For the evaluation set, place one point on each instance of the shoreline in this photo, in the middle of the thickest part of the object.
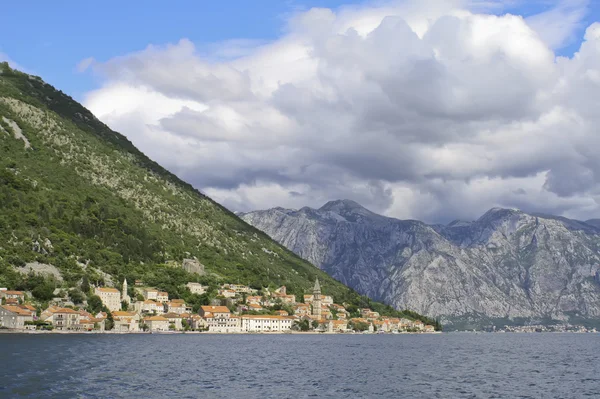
(35, 332)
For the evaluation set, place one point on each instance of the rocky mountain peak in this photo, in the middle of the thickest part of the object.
(507, 265)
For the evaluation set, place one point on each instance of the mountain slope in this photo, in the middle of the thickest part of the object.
(80, 197)
(505, 267)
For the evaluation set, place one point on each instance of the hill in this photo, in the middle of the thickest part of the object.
(508, 267)
(81, 203)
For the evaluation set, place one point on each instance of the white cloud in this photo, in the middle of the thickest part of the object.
(415, 109)
(85, 64)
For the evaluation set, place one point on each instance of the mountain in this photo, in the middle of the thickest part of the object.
(507, 267)
(80, 202)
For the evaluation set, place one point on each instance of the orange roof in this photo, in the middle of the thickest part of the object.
(111, 290)
(255, 306)
(150, 302)
(215, 309)
(12, 292)
(163, 293)
(17, 310)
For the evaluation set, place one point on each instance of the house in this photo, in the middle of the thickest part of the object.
(285, 298)
(62, 318)
(301, 309)
(196, 322)
(111, 297)
(418, 324)
(162, 296)
(149, 306)
(219, 319)
(308, 298)
(429, 328)
(239, 288)
(14, 317)
(138, 283)
(86, 324)
(92, 323)
(325, 312)
(157, 323)
(175, 321)
(257, 300)
(326, 300)
(176, 306)
(227, 293)
(150, 294)
(381, 325)
(339, 325)
(126, 321)
(196, 288)
(281, 313)
(19, 296)
(403, 324)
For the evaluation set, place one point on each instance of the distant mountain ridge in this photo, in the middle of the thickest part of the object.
(508, 266)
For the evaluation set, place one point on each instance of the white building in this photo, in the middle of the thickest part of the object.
(266, 323)
(14, 317)
(150, 293)
(219, 319)
(162, 296)
(196, 288)
(111, 298)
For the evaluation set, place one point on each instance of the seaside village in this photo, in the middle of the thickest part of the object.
(237, 309)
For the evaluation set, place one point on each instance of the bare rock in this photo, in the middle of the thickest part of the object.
(193, 266)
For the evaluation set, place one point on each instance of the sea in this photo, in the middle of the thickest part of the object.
(447, 365)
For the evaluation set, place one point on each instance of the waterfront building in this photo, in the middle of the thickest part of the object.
(266, 323)
(126, 321)
(219, 319)
(157, 323)
(62, 318)
(14, 317)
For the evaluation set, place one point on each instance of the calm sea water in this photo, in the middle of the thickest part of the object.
(300, 366)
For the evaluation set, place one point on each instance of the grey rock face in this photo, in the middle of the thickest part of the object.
(505, 265)
(193, 266)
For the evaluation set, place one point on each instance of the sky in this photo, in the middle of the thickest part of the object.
(423, 109)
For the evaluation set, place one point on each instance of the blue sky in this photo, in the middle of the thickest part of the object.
(51, 38)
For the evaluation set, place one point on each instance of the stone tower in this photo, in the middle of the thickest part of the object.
(316, 311)
(124, 296)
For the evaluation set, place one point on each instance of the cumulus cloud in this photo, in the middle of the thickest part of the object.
(434, 110)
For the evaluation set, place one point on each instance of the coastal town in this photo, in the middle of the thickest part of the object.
(237, 309)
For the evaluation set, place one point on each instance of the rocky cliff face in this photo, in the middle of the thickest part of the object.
(506, 267)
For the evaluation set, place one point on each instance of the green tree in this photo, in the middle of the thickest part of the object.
(85, 284)
(43, 291)
(94, 304)
(76, 296)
